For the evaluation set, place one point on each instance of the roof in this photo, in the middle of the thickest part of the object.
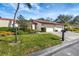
(46, 22)
(7, 19)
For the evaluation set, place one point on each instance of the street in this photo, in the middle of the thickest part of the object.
(72, 50)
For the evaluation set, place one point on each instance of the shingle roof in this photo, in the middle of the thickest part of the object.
(6, 19)
(46, 22)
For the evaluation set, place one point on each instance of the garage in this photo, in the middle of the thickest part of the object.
(47, 26)
(49, 29)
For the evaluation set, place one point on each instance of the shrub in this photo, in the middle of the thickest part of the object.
(31, 31)
(11, 29)
(7, 29)
(5, 33)
(4, 28)
(21, 32)
(74, 29)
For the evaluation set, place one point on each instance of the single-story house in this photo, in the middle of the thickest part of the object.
(76, 26)
(40, 25)
(5, 22)
(47, 26)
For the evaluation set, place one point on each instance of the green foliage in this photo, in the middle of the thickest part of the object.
(31, 31)
(76, 20)
(23, 23)
(74, 29)
(4, 28)
(20, 32)
(7, 29)
(30, 43)
(63, 18)
(11, 29)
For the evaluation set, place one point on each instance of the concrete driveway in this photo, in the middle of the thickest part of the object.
(68, 35)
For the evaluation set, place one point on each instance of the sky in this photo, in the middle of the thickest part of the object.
(39, 10)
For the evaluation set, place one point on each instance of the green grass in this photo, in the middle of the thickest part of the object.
(30, 43)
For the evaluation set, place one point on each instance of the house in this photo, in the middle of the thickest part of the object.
(40, 25)
(76, 26)
(5, 22)
(47, 26)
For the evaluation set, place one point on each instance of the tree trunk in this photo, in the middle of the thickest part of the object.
(16, 38)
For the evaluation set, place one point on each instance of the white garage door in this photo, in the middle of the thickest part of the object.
(49, 29)
(58, 29)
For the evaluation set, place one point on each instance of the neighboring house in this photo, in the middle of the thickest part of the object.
(48, 26)
(5, 22)
(76, 26)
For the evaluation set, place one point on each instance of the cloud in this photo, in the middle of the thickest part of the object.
(36, 6)
(37, 11)
(5, 14)
(13, 5)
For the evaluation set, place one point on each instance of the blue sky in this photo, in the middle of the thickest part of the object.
(40, 10)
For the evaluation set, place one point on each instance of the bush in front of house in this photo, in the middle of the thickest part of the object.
(30, 31)
(5, 33)
(11, 29)
(21, 32)
(7, 29)
(4, 28)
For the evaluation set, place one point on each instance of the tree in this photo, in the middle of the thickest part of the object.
(41, 19)
(49, 19)
(64, 19)
(0, 17)
(22, 22)
(76, 20)
(18, 5)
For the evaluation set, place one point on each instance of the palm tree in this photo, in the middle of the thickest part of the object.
(16, 11)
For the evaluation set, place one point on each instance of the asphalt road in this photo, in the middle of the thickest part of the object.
(72, 50)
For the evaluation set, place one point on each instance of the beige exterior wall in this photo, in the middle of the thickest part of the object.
(39, 26)
(4, 23)
(49, 27)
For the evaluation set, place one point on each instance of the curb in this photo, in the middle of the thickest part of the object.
(53, 50)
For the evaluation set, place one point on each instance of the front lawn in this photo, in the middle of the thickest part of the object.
(29, 44)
